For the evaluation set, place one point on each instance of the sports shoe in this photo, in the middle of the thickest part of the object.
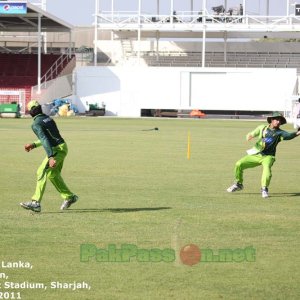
(69, 202)
(32, 205)
(235, 187)
(264, 192)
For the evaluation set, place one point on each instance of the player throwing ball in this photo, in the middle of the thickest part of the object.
(56, 149)
(263, 153)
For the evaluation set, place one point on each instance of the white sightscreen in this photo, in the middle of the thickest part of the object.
(127, 90)
(241, 90)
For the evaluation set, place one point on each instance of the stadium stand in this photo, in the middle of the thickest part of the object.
(20, 71)
(217, 59)
(25, 60)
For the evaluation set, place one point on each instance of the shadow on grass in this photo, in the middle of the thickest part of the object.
(284, 194)
(113, 210)
(277, 195)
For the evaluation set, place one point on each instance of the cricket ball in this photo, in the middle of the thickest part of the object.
(190, 255)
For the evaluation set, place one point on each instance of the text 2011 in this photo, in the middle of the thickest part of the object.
(10, 295)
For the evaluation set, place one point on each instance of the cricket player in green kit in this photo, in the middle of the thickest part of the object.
(263, 153)
(56, 149)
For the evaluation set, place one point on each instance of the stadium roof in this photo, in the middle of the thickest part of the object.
(29, 22)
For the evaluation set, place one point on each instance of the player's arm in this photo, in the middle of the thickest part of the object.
(43, 140)
(31, 146)
(289, 135)
(254, 133)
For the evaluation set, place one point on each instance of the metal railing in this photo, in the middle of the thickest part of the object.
(194, 21)
(56, 68)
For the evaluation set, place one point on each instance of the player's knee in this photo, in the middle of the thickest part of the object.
(269, 173)
(52, 173)
(238, 164)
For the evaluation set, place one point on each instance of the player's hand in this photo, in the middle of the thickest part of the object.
(52, 162)
(28, 147)
(249, 137)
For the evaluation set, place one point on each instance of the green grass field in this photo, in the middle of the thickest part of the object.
(138, 187)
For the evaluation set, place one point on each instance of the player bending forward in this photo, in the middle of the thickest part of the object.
(263, 153)
(56, 149)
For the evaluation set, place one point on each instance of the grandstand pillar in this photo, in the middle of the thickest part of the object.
(288, 11)
(112, 37)
(70, 44)
(204, 32)
(244, 10)
(204, 11)
(39, 54)
(225, 46)
(157, 45)
(96, 31)
(44, 7)
(203, 45)
(172, 11)
(139, 32)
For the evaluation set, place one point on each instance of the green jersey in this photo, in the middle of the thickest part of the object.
(47, 132)
(268, 139)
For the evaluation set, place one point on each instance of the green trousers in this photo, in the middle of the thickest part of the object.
(44, 172)
(251, 161)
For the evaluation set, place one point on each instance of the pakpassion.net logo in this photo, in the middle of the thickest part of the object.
(189, 254)
(125, 253)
